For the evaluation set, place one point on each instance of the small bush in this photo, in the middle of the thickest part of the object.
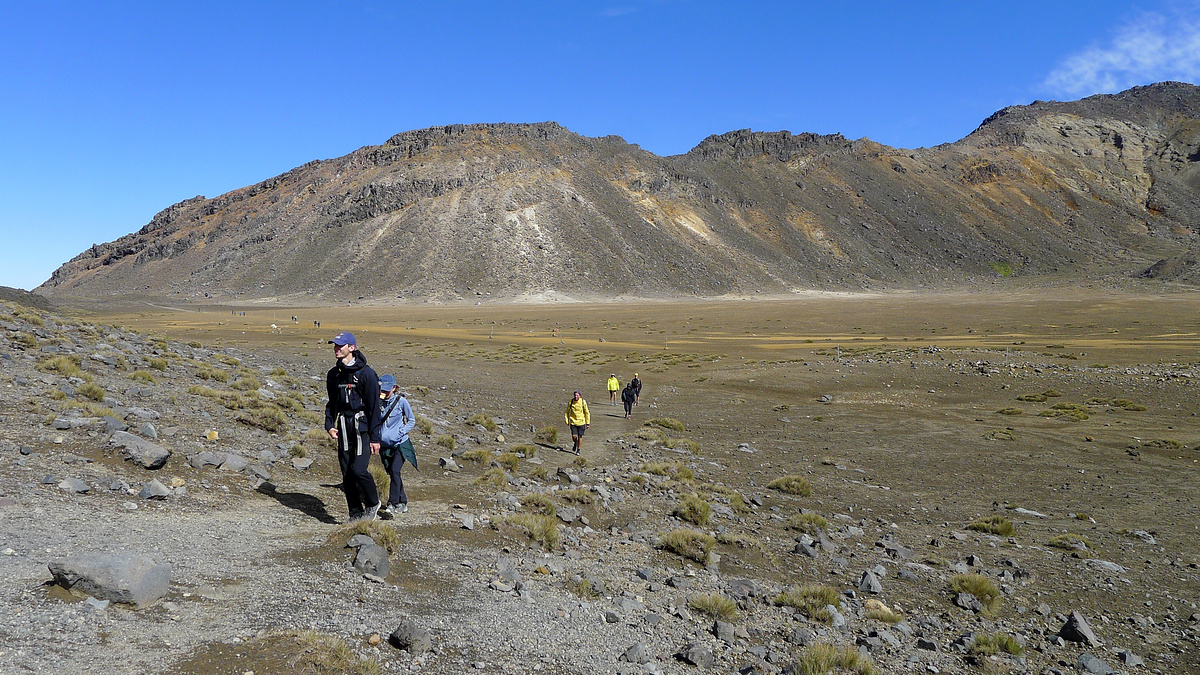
(539, 472)
(548, 435)
(541, 528)
(823, 658)
(160, 364)
(576, 495)
(483, 420)
(694, 510)
(525, 449)
(666, 423)
(987, 644)
(998, 525)
(446, 442)
(213, 374)
(810, 600)
(808, 522)
(92, 391)
(539, 503)
(494, 476)
(792, 485)
(269, 419)
(509, 461)
(424, 425)
(688, 543)
(278, 371)
(143, 376)
(478, 456)
(979, 586)
(584, 589)
(1070, 542)
(246, 383)
(385, 535)
(714, 605)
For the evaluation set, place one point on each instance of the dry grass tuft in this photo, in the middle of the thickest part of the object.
(576, 495)
(446, 442)
(998, 525)
(714, 605)
(541, 528)
(808, 522)
(792, 485)
(666, 423)
(483, 420)
(548, 435)
(983, 588)
(987, 644)
(539, 503)
(525, 449)
(676, 470)
(382, 480)
(1070, 542)
(688, 543)
(693, 509)
(495, 476)
(810, 600)
(509, 461)
(385, 535)
(823, 658)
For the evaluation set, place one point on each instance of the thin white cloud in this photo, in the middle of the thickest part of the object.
(1151, 49)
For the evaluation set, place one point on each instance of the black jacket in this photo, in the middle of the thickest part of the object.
(352, 390)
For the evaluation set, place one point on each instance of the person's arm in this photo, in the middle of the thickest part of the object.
(567, 415)
(410, 420)
(587, 414)
(330, 411)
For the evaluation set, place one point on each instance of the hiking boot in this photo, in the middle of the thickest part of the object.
(387, 513)
(372, 512)
(404, 508)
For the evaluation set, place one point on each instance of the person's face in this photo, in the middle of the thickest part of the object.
(385, 394)
(342, 351)
(577, 396)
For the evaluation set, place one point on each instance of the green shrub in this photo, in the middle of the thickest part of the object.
(1071, 411)
(983, 588)
(548, 435)
(694, 510)
(666, 423)
(808, 522)
(688, 543)
(810, 600)
(714, 605)
(792, 485)
(998, 525)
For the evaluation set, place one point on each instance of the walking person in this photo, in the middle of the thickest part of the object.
(579, 418)
(637, 388)
(397, 419)
(627, 398)
(352, 419)
(614, 385)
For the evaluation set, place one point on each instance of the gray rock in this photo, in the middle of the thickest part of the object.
(611, 616)
(638, 653)
(927, 645)
(1130, 659)
(724, 632)
(1107, 566)
(113, 425)
(359, 540)
(697, 655)
(448, 464)
(61, 424)
(258, 472)
(836, 619)
(568, 514)
(126, 578)
(372, 559)
(801, 637)
(411, 638)
(1076, 629)
(301, 463)
(140, 451)
(1092, 665)
(968, 602)
(142, 414)
(26, 450)
(147, 430)
(497, 585)
(646, 574)
(154, 490)
(234, 462)
(203, 459)
(869, 583)
(75, 485)
(468, 521)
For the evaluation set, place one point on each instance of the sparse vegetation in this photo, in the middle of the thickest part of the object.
(509, 461)
(879, 612)
(495, 476)
(269, 419)
(987, 644)
(385, 535)
(823, 658)
(691, 446)
(998, 525)
(143, 376)
(693, 509)
(424, 425)
(666, 423)
(478, 456)
(1070, 542)
(810, 600)
(382, 480)
(539, 503)
(792, 485)
(983, 588)
(91, 391)
(525, 449)
(548, 435)
(446, 442)
(576, 495)
(158, 364)
(808, 522)
(67, 366)
(26, 341)
(1071, 411)
(541, 528)
(714, 605)
(482, 420)
(689, 543)
(676, 470)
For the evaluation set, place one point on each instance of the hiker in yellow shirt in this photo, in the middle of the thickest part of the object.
(579, 418)
(614, 385)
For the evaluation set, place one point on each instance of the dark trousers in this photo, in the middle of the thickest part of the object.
(354, 455)
(393, 461)
(628, 407)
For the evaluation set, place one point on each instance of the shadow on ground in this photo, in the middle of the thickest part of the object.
(305, 503)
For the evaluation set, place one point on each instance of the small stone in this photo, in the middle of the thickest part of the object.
(1092, 665)
(697, 655)
(869, 583)
(1076, 629)
(411, 638)
(75, 485)
(638, 653)
(1130, 659)
(154, 490)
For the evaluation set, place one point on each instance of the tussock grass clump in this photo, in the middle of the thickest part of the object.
(158, 364)
(792, 485)
(383, 481)
(246, 383)
(1070, 411)
(26, 341)
(676, 470)
(278, 371)
(270, 419)
(656, 435)
(1163, 444)
(736, 501)
(691, 446)
(689, 543)
(213, 374)
(540, 528)
(539, 504)
(143, 376)
(808, 522)
(998, 525)
(495, 476)
(1070, 542)
(477, 456)
(885, 615)
(509, 461)
(1126, 404)
(29, 317)
(983, 588)
(576, 495)
(67, 366)
(666, 423)
(1032, 398)
(1010, 411)
(539, 472)
(482, 420)
(581, 461)
(810, 600)
(525, 449)
(424, 425)
(92, 391)
(693, 509)
(547, 434)
(714, 605)
(227, 360)
(823, 659)
(385, 535)
(739, 540)
(987, 644)
(446, 442)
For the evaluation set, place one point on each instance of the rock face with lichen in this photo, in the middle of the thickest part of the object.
(1102, 186)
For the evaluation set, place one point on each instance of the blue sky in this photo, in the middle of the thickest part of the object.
(109, 114)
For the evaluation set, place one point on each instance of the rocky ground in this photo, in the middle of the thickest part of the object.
(673, 547)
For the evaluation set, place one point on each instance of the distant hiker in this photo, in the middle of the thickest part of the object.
(637, 388)
(614, 385)
(352, 419)
(628, 396)
(579, 418)
(397, 418)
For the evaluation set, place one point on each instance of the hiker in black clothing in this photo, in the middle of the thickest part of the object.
(352, 419)
(637, 388)
(628, 396)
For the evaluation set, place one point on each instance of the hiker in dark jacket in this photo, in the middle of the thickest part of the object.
(352, 419)
(398, 420)
(628, 396)
(637, 388)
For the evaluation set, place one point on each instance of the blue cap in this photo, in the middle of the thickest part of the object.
(386, 383)
(343, 338)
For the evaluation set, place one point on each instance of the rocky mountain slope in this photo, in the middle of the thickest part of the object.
(1101, 186)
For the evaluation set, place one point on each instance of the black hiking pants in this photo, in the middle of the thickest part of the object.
(354, 455)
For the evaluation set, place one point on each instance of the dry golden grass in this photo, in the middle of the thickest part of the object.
(808, 522)
(792, 485)
(983, 588)
(823, 659)
(998, 525)
(714, 605)
(810, 600)
(385, 535)
(688, 543)
(541, 528)
(693, 509)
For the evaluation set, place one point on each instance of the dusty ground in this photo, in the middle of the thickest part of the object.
(908, 443)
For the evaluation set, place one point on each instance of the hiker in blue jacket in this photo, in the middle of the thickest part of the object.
(398, 420)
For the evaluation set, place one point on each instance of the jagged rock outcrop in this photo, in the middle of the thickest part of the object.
(1105, 185)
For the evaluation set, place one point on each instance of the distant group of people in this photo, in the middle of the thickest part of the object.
(629, 395)
(578, 417)
(367, 415)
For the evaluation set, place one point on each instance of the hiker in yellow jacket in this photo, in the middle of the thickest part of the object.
(614, 385)
(579, 418)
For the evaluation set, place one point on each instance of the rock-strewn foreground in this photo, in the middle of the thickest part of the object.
(1101, 187)
(1099, 573)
